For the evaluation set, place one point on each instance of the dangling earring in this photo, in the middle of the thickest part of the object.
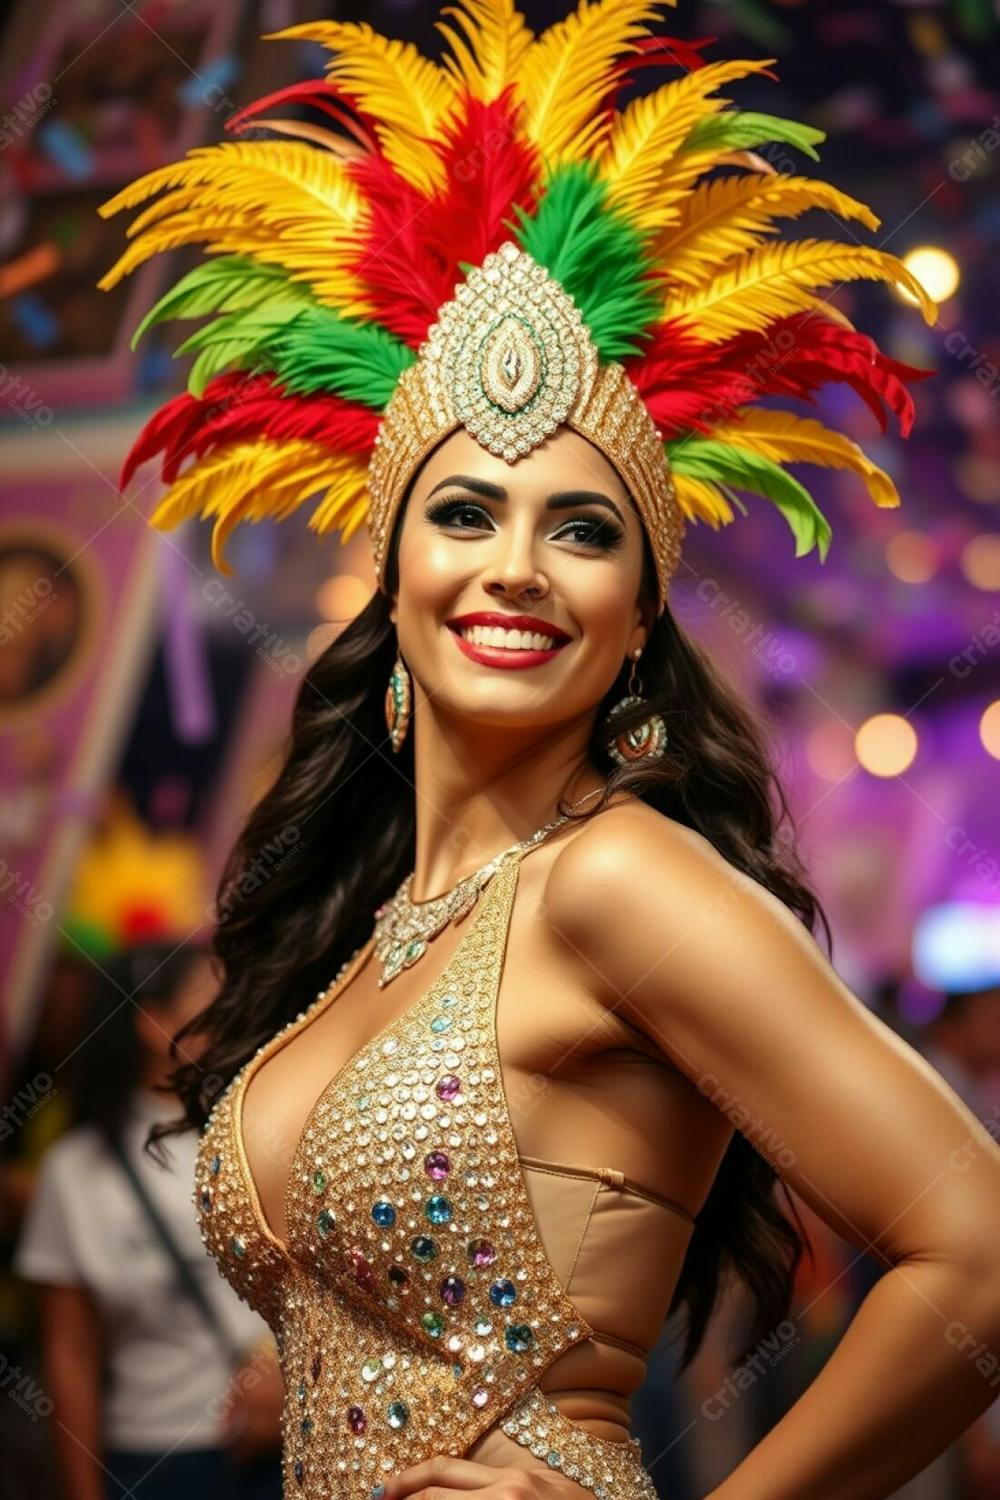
(648, 740)
(398, 700)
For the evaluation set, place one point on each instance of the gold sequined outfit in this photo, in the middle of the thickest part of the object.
(414, 1306)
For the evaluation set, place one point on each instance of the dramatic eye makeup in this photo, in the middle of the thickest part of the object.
(584, 528)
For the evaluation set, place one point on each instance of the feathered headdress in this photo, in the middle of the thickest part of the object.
(487, 242)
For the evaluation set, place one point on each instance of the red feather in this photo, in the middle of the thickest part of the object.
(687, 384)
(317, 93)
(237, 407)
(409, 254)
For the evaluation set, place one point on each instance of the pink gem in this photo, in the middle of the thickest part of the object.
(448, 1086)
(437, 1165)
(481, 1252)
(356, 1419)
(480, 1397)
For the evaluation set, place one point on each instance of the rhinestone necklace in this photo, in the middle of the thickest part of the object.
(404, 928)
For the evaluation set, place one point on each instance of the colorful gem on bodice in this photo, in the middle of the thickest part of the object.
(438, 1209)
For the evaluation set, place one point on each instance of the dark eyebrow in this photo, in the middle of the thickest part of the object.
(562, 500)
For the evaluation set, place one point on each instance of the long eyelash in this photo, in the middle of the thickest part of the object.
(440, 510)
(603, 533)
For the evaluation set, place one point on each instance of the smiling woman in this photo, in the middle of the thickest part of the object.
(466, 1157)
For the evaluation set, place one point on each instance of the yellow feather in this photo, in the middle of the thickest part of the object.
(496, 38)
(701, 500)
(248, 481)
(345, 504)
(409, 96)
(281, 201)
(676, 180)
(727, 215)
(786, 438)
(567, 71)
(776, 280)
(649, 132)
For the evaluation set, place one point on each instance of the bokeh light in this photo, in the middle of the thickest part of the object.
(980, 561)
(886, 744)
(935, 269)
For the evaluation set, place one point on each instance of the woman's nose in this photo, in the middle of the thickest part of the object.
(513, 565)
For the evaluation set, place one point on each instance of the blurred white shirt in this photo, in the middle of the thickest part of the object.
(167, 1375)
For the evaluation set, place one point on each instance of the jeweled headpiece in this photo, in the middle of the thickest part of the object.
(492, 243)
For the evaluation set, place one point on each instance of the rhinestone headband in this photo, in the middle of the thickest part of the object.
(510, 360)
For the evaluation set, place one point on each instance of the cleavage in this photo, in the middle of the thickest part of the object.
(282, 1091)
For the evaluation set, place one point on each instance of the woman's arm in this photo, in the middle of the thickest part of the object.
(72, 1351)
(742, 1001)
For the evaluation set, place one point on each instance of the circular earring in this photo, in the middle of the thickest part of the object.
(398, 700)
(648, 740)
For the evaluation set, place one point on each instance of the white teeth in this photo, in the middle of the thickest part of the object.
(510, 640)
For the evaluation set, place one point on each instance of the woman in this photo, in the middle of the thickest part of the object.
(466, 1205)
(156, 1387)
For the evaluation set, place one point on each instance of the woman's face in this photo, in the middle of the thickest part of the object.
(476, 533)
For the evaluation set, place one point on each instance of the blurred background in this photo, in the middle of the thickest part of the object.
(144, 700)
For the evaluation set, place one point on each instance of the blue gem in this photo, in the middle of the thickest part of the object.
(324, 1222)
(397, 1413)
(214, 1165)
(300, 1470)
(423, 1248)
(237, 1246)
(449, 1000)
(206, 1198)
(307, 1425)
(518, 1337)
(503, 1293)
(438, 1209)
(442, 1023)
(384, 1214)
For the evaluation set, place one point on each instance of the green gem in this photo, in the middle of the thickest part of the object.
(319, 1181)
(237, 1246)
(324, 1222)
(433, 1324)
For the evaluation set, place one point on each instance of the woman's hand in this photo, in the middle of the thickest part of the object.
(436, 1478)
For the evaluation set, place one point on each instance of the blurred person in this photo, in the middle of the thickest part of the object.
(963, 1043)
(163, 1382)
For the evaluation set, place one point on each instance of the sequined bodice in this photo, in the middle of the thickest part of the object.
(414, 1305)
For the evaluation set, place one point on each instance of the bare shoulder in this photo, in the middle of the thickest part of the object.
(635, 887)
(631, 853)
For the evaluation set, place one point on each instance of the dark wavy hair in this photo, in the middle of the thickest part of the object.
(334, 836)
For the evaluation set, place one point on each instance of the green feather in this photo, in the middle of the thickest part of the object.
(723, 464)
(322, 351)
(226, 283)
(595, 255)
(266, 324)
(739, 129)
